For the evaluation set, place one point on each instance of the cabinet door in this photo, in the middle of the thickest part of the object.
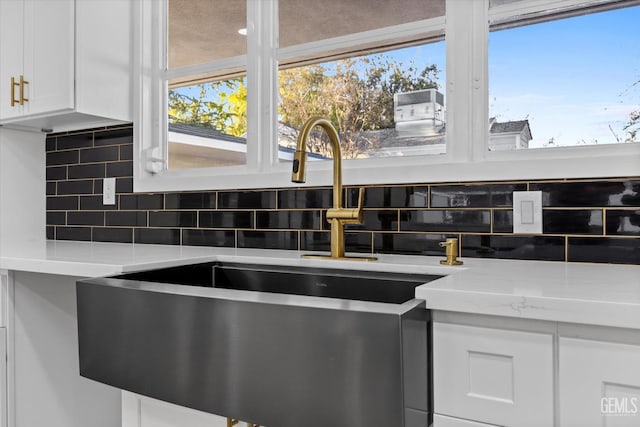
(11, 48)
(139, 411)
(494, 376)
(49, 28)
(442, 421)
(599, 383)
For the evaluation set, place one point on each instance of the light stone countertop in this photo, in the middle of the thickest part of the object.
(607, 295)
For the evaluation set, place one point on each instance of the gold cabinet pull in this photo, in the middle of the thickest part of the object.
(13, 91)
(22, 83)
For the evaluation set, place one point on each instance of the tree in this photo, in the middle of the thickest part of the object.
(356, 95)
(220, 105)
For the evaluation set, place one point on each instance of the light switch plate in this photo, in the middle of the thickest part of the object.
(527, 212)
(109, 191)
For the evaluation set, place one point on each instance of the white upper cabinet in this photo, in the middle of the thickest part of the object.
(65, 64)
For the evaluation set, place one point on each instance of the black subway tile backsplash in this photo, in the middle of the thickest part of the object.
(623, 222)
(109, 234)
(390, 197)
(595, 220)
(174, 219)
(589, 194)
(190, 200)
(474, 196)
(447, 220)
(160, 236)
(247, 200)
(218, 238)
(542, 248)
(102, 154)
(572, 221)
(619, 250)
(306, 198)
(292, 220)
(226, 219)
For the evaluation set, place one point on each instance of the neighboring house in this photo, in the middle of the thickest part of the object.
(192, 146)
(509, 135)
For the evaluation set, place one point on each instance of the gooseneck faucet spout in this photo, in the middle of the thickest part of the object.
(338, 216)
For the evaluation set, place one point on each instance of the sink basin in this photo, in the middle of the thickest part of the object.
(279, 346)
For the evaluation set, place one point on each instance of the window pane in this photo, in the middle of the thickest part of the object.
(303, 21)
(383, 104)
(205, 30)
(567, 82)
(208, 124)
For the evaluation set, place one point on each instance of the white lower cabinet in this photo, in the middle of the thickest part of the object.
(139, 411)
(443, 421)
(493, 376)
(599, 383)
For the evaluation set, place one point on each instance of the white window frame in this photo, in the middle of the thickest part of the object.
(467, 156)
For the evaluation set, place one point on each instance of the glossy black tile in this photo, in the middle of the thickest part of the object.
(85, 218)
(114, 137)
(543, 248)
(75, 187)
(447, 220)
(126, 152)
(247, 200)
(73, 233)
(50, 232)
(102, 154)
(268, 239)
(160, 236)
(410, 243)
(296, 220)
(50, 144)
(307, 198)
(62, 203)
(616, 250)
(124, 185)
(142, 201)
(214, 238)
(474, 196)
(115, 169)
(173, 219)
(51, 189)
(56, 173)
(126, 218)
(226, 219)
(79, 140)
(63, 158)
(503, 221)
(390, 197)
(56, 218)
(190, 200)
(94, 170)
(118, 235)
(321, 241)
(623, 222)
(94, 203)
(572, 221)
(589, 194)
(379, 220)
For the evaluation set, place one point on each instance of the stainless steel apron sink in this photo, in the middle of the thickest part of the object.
(278, 346)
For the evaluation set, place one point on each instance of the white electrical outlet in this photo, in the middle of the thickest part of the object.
(527, 212)
(109, 191)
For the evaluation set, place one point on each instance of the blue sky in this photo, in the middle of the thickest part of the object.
(571, 78)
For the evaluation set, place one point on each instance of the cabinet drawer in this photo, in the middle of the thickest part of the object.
(492, 375)
(599, 383)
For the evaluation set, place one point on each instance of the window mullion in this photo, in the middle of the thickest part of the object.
(466, 35)
(261, 81)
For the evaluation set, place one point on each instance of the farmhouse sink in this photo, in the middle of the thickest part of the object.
(278, 346)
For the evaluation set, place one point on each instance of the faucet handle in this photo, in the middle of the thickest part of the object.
(360, 203)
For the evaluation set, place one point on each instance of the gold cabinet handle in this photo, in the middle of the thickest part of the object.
(13, 91)
(22, 83)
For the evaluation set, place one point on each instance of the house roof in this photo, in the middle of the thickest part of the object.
(516, 126)
(204, 132)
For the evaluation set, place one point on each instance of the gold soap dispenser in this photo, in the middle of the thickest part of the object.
(451, 252)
